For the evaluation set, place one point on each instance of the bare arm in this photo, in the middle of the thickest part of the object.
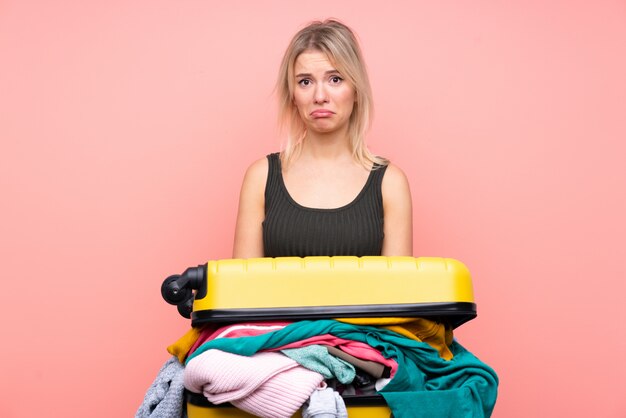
(398, 211)
(249, 230)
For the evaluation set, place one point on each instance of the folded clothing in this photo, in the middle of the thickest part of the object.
(267, 384)
(357, 349)
(422, 375)
(242, 329)
(164, 398)
(325, 403)
(374, 369)
(316, 357)
(433, 333)
(181, 347)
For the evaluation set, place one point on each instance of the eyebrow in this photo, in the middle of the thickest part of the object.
(329, 72)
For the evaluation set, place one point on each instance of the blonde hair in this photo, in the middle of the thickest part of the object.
(339, 44)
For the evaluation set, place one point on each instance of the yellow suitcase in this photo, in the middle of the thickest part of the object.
(367, 407)
(293, 288)
(296, 288)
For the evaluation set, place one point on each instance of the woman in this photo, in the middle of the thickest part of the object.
(325, 194)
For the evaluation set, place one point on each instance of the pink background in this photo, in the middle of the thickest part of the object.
(126, 128)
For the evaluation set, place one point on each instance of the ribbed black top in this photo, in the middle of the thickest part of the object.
(290, 229)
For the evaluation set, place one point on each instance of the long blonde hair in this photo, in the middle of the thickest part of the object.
(339, 44)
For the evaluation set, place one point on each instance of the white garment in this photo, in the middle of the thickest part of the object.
(325, 403)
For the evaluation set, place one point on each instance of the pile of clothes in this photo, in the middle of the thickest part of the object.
(274, 369)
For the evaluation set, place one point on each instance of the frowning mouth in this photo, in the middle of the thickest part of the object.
(322, 113)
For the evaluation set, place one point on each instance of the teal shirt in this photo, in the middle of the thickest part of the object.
(424, 386)
(317, 358)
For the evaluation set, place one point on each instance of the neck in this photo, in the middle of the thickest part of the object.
(334, 145)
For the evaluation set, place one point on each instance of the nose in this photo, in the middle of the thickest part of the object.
(321, 95)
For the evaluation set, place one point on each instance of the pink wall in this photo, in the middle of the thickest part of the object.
(126, 129)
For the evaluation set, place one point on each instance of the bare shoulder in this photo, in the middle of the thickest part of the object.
(398, 226)
(258, 169)
(248, 232)
(394, 180)
(256, 175)
(253, 185)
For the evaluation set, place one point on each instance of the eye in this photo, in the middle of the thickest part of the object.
(304, 82)
(336, 79)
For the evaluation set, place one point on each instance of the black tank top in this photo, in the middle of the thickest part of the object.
(290, 229)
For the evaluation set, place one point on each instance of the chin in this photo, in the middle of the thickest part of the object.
(324, 127)
(324, 131)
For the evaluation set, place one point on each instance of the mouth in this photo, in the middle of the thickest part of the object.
(322, 113)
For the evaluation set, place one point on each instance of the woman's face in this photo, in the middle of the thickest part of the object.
(323, 97)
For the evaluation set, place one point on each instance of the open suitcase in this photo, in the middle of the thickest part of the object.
(293, 288)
